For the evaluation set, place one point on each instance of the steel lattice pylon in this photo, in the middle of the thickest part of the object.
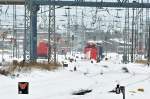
(26, 49)
(52, 35)
(30, 41)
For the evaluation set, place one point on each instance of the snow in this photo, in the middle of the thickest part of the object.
(119, 40)
(100, 77)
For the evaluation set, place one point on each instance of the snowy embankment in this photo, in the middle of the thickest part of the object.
(99, 77)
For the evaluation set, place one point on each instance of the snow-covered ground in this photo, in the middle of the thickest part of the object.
(99, 77)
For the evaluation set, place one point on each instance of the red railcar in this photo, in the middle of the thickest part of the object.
(90, 51)
(42, 49)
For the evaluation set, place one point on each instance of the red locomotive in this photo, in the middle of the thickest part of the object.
(90, 51)
(42, 49)
(94, 50)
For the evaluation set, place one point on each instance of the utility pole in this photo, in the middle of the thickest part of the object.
(135, 31)
(68, 30)
(128, 33)
(99, 23)
(125, 38)
(44, 18)
(149, 46)
(147, 33)
(49, 36)
(83, 32)
(128, 37)
(3, 38)
(76, 27)
(132, 49)
(25, 36)
(140, 43)
(3, 35)
(1, 14)
(54, 35)
(14, 32)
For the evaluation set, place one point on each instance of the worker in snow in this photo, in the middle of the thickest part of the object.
(148, 64)
(75, 68)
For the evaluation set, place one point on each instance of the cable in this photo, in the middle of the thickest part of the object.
(6, 12)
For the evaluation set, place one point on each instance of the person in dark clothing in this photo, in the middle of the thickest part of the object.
(148, 64)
